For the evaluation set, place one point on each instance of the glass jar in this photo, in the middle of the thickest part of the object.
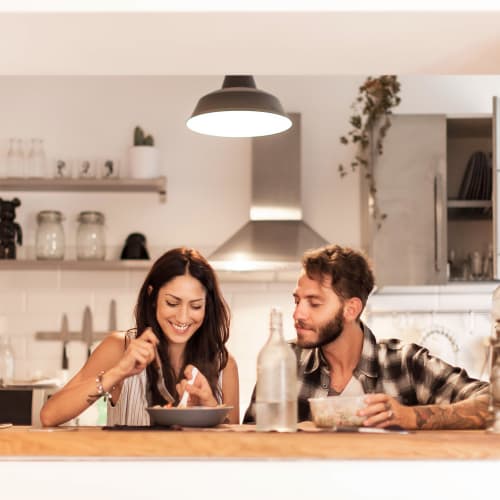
(49, 235)
(90, 237)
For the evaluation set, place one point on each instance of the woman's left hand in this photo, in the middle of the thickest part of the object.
(382, 410)
(200, 392)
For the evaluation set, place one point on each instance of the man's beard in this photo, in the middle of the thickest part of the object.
(327, 333)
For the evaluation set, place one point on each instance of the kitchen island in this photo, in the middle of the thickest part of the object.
(226, 443)
(122, 464)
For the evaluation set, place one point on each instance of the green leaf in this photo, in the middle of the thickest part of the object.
(355, 121)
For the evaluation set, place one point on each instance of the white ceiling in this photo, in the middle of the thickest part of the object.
(280, 43)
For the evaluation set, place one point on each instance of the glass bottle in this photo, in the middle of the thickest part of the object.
(90, 237)
(50, 242)
(10, 159)
(495, 363)
(488, 264)
(20, 158)
(15, 158)
(276, 391)
(35, 164)
(30, 160)
(6, 361)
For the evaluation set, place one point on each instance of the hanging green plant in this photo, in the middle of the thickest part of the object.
(370, 122)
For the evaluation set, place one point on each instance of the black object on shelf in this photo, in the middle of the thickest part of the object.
(9, 229)
(135, 247)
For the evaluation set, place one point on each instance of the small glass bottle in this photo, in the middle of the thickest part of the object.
(90, 237)
(15, 158)
(20, 158)
(50, 242)
(276, 391)
(6, 361)
(36, 164)
(10, 160)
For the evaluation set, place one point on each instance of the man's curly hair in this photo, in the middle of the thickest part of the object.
(349, 270)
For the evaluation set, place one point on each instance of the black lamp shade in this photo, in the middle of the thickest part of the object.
(239, 109)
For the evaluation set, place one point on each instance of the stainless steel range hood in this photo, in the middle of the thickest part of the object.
(275, 237)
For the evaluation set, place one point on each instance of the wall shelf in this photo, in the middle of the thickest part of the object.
(469, 209)
(73, 265)
(279, 276)
(157, 185)
(469, 203)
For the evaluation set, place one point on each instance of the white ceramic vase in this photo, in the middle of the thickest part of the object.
(144, 162)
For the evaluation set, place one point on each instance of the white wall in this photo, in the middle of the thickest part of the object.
(208, 190)
(95, 116)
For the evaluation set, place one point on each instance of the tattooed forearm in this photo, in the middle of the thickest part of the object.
(469, 414)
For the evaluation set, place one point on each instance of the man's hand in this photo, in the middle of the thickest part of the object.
(383, 410)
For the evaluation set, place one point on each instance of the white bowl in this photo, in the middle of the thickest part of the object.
(337, 411)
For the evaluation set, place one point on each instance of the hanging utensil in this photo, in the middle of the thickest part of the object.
(64, 336)
(112, 316)
(87, 331)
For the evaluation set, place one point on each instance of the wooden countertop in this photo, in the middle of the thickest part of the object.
(95, 442)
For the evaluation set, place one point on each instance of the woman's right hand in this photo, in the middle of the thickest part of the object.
(139, 353)
(200, 393)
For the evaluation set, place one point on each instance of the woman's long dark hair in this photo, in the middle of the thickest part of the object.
(206, 349)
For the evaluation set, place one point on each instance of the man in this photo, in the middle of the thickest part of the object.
(338, 354)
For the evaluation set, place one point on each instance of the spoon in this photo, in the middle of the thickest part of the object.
(185, 395)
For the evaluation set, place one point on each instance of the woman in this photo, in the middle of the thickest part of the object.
(182, 321)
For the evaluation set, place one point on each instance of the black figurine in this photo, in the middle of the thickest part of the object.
(9, 229)
(135, 247)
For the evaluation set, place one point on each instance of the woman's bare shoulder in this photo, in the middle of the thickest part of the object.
(231, 362)
(115, 342)
(104, 356)
(119, 336)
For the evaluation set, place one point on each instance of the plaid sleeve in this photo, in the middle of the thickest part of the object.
(436, 381)
(249, 417)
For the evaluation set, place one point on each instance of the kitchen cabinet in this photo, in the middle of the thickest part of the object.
(418, 178)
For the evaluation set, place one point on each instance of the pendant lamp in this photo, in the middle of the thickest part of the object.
(239, 109)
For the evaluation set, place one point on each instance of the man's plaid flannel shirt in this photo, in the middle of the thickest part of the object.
(406, 372)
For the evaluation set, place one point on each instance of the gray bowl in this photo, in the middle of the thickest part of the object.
(194, 416)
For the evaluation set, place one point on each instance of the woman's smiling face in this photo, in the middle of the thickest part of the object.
(180, 308)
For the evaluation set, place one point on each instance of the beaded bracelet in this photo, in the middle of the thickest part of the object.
(101, 392)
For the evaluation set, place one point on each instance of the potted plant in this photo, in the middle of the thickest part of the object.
(370, 122)
(144, 157)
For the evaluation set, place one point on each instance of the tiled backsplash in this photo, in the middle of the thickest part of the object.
(453, 321)
(33, 301)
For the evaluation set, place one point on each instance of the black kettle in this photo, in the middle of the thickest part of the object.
(135, 247)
